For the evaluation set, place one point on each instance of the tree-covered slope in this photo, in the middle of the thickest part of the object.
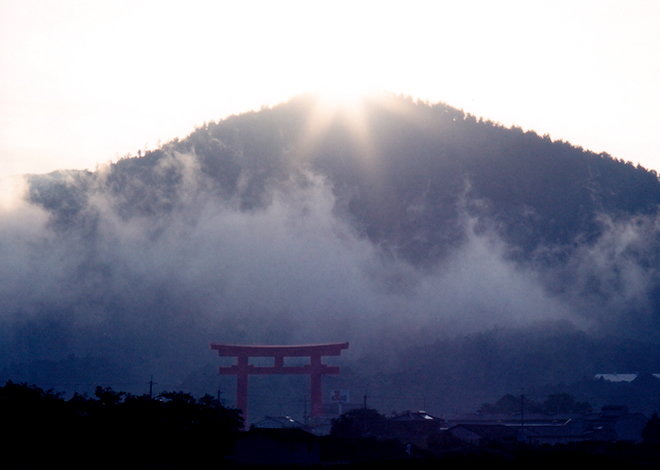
(405, 177)
(388, 223)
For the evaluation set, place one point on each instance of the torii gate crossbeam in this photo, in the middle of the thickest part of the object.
(315, 369)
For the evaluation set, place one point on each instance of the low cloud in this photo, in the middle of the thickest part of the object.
(151, 291)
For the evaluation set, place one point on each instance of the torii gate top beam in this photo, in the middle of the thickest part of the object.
(307, 350)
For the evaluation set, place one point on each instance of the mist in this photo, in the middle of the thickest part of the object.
(148, 281)
(290, 272)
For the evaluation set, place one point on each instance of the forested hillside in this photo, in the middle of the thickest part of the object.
(421, 168)
(393, 222)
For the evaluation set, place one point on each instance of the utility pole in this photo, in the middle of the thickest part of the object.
(305, 417)
(522, 413)
(151, 386)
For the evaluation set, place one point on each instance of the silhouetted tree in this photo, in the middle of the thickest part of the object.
(651, 432)
(174, 428)
(559, 403)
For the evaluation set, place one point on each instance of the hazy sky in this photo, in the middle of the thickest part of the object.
(85, 82)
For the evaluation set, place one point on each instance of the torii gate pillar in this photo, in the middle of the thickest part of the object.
(315, 369)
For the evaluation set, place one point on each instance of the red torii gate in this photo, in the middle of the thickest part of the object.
(242, 369)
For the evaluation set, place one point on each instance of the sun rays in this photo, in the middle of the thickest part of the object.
(346, 115)
(341, 111)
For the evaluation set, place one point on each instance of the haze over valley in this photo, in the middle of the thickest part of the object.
(461, 258)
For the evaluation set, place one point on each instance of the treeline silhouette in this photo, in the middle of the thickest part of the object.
(113, 428)
(555, 403)
(175, 430)
(366, 435)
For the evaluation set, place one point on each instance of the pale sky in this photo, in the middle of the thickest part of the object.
(85, 82)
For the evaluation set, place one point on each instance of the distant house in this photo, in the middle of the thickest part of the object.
(617, 377)
(483, 433)
(277, 447)
(320, 426)
(551, 431)
(414, 427)
(613, 423)
(279, 422)
(621, 377)
(616, 423)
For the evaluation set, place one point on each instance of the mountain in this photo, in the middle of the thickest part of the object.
(389, 223)
(403, 184)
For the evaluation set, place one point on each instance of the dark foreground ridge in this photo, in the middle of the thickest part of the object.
(174, 430)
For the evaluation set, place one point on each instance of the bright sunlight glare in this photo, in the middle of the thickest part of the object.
(125, 75)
